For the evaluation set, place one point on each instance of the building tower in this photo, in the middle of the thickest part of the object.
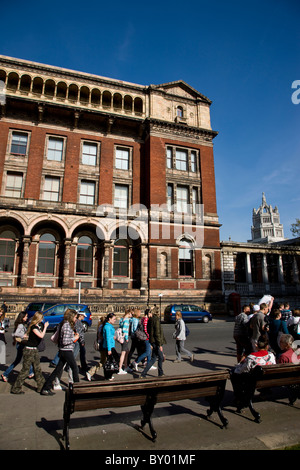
(266, 226)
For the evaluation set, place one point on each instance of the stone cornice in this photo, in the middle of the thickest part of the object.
(182, 130)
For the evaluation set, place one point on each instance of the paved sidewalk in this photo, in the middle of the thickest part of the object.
(34, 422)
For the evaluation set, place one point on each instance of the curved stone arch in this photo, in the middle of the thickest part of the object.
(100, 228)
(127, 230)
(18, 217)
(14, 221)
(185, 237)
(25, 82)
(44, 219)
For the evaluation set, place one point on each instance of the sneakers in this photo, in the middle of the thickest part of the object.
(134, 366)
(177, 360)
(153, 368)
(58, 387)
(88, 376)
(47, 392)
(122, 372)
(4, 378)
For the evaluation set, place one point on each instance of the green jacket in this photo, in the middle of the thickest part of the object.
(156, 334)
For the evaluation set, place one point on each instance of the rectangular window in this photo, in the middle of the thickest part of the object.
(185, 261)
(170, 197)
(14, 183)
(121, 196)
(195, 201)
(182, 199)
(87, 192)
(122, 158)
(181, 159)
(169, 158)
(51, 188)
(89, 153)
(193, 162)
(55, 149)
(19, 143)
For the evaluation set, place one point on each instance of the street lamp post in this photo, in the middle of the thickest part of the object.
(160, 296)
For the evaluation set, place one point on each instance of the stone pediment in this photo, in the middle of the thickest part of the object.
(182, 89)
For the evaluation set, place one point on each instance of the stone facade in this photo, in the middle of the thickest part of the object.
(106, 185)
(252, 270)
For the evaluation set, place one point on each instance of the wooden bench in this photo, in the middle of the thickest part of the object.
(145, 392)
(259, 378)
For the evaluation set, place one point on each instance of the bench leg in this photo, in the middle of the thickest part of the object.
(147, 410)
(66, 426)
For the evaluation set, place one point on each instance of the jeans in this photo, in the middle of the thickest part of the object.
(66, 356)
(179, 349)
(157, 354)
(145, 354)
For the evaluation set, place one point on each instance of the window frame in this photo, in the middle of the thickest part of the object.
(51, 138)
(20, 133)
(86, 195)
(83, 154)
(123, 164)
(14, 189)
(58, 193)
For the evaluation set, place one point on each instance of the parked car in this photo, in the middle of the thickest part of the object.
(54, 315)
(189, 313)
(37, 307)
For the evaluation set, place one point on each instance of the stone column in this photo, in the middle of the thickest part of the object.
(265, 271)
(66, 269)
(105, 265)
(24, 269)
(249, 272)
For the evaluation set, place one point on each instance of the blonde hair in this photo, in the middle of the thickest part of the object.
(178, 313)
(36, 319)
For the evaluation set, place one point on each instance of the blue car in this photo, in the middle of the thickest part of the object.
(54, 315)
(34, 307)
(189, 313)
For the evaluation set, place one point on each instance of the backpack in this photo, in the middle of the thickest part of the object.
(119, 336)
(187, 331)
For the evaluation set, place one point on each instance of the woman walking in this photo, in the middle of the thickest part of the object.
(18, 335)
(66, 343)
(180, 337)
(36, 332)
(109, 344)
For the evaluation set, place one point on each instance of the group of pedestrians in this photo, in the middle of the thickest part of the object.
(264, 334)
(140, 337)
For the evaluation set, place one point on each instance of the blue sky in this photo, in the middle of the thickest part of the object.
(243, 55)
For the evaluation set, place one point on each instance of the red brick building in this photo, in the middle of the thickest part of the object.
(108, 185)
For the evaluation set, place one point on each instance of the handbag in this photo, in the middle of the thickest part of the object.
(42, 345)
(96, 345)
(55, 337)
(111, 365)
(140, 333)
(119, 336)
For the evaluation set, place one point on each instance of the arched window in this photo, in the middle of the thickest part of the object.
(180, 111)
(7, 251)
(120, 267)
(185, 258)
(46, 256)
(164, 265)
(84, 264)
